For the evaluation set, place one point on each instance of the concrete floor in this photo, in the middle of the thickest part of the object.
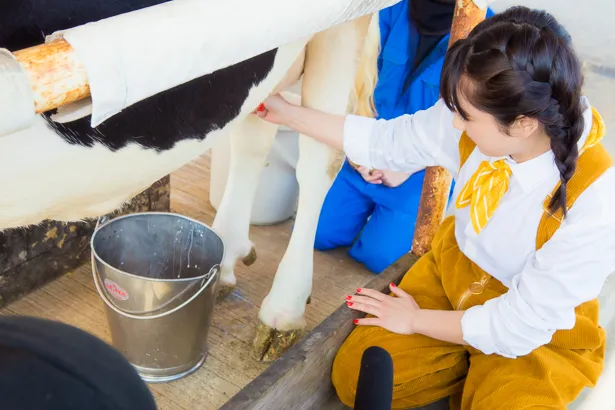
(590, 23)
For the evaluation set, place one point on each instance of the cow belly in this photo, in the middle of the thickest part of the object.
(44, 177)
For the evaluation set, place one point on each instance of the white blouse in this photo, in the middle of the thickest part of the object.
(544, 286)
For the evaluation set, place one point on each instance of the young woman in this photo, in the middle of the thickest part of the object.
(502, 312)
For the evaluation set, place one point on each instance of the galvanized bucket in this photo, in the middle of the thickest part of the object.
(157, 274)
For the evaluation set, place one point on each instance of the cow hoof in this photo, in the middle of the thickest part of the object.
(270, 344)
(224, 291)
(250, 258)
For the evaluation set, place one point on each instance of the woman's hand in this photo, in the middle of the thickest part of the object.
(274, 109)
(371, 176)
(393, 179)
(323, 127)
(388, 178)
(395, 314)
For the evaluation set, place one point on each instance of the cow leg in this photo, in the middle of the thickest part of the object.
(330, 67)
(250, 143)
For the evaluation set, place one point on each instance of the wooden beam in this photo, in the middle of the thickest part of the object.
(437, 182)
(301, 378)
(467, 16)
(56, 75)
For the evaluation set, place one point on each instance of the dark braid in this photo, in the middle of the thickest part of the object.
(521, 63)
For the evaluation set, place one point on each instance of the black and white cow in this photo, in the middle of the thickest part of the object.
(68, 171)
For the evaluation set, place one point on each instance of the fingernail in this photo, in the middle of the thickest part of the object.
(348, 297)
(356, 321)
(359, 290)
(261, 107)
(349, 303)
(393, 285)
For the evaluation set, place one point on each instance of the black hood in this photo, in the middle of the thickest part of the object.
(432, 17)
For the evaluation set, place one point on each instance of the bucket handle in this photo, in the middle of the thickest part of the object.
(215, 270)
(101, 221)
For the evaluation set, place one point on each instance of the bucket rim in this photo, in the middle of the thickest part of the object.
(175, 280)
(96, 277)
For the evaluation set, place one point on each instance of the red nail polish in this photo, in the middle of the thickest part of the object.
(393, 285)
(359, 290)
(356, 321)
(349, 303)
(261, 107)
(348, 297)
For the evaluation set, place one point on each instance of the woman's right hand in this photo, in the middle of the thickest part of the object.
(274, 109)
(323, 127)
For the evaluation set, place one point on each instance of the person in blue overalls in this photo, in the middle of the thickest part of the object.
(376, 213)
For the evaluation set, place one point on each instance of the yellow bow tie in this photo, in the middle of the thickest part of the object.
(484, 191)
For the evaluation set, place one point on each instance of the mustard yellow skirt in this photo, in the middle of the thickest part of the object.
(427, 370)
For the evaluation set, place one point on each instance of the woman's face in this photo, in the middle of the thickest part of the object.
(489, 136)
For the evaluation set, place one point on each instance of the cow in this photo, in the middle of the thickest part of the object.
(65, 170)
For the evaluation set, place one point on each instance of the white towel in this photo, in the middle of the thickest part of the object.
(133, 56)
(16, 97)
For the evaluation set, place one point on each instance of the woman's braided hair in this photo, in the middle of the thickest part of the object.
(521, 63)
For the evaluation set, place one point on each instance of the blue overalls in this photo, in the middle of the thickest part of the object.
(392, 212)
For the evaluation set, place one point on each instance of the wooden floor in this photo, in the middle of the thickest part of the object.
(229, 367)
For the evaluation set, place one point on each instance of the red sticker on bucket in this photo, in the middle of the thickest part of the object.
(116, 290)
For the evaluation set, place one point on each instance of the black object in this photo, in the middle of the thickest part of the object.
(48, 365)
(432, 17)
(433, 20)
(375, 385)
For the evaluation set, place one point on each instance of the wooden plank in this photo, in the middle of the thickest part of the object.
(34, 256)
(434, 198)
(305, 370)
(335, 404)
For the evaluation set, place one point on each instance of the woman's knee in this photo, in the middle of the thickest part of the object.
(323, 241)
(378, 254)
(425, 370)
(373, 262)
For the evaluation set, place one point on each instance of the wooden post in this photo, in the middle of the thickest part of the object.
(57, 77)
(437, 182)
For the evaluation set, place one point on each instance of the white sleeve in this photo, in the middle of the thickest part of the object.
(407, 143)
(568, 270)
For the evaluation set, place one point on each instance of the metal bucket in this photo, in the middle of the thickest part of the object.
(157, 274)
